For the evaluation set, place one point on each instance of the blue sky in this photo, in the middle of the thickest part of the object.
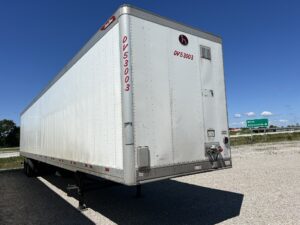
(261, 42)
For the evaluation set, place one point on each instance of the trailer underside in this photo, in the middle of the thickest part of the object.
(142, 176)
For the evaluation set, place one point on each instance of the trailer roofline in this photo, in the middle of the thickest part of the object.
(133, 11)
(153, 17)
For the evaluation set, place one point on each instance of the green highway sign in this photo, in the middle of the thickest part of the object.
(257, 123)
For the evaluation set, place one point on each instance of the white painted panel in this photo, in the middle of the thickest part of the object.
(186, 98)
(152, 109)
(170, 114)
(79, 118)
(212, 78)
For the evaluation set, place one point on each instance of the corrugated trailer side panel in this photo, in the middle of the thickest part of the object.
(79, 118)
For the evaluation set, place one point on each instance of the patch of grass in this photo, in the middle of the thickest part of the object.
(10, 149)
(12, 162)
(264, 138)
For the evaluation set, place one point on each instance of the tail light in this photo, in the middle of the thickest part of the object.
(226, 140)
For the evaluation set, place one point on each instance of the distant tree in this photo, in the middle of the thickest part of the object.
(13, 138)
(9, 134)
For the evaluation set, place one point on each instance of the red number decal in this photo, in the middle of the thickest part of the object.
(126, 77)
(183, 55)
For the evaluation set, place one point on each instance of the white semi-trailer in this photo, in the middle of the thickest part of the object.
(143, 100)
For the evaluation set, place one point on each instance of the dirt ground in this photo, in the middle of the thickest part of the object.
(263, 187)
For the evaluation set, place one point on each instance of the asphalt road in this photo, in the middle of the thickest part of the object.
(261, 188)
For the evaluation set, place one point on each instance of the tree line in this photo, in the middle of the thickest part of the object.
(9, 134)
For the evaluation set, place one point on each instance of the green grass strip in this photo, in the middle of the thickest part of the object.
(234, 141)
(12, 162)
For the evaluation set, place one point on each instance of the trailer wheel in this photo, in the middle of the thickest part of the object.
(24, 167)
(28, 171)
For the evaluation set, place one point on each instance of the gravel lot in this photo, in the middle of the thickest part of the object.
(263, 187)
(9, 154)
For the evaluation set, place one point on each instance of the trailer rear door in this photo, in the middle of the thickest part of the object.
(177, 96)
(185, 99)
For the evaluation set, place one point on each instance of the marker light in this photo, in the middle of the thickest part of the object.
(108, 22)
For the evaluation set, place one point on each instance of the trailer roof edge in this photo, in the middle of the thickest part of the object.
(122, 10)
(153, 17)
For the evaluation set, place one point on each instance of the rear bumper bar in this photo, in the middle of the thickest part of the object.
(177, 170)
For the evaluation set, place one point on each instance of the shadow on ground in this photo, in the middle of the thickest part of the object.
(26, 200)
(165, 202)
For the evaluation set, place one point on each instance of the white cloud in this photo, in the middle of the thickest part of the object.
(237, 124)
(283, 121)
(250, 114)
(266, 113)
(237, 115)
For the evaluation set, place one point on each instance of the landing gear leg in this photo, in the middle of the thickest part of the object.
(80, 183)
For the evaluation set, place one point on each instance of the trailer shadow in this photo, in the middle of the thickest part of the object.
(165, 202)
(26, 200)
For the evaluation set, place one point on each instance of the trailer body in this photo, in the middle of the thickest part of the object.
(143, 100)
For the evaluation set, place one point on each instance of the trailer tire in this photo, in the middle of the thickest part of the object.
(28, 171)
(24, 167)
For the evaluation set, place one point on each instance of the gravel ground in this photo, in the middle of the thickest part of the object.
(263, 187)
(268, 175)
(9, 154)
